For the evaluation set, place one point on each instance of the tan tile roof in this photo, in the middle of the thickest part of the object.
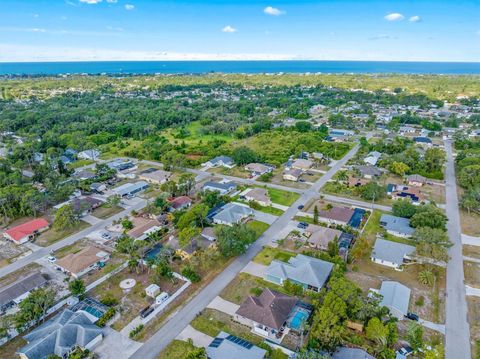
(77, 262)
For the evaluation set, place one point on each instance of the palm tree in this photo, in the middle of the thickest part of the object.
(426, 277)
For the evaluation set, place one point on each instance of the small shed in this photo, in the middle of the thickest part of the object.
(152, 290)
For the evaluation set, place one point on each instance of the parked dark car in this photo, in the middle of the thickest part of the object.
(302, 225)
(301, 207)
(412, 316)
(146, 312)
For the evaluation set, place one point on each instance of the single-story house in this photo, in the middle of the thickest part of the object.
(12, 294)
(84, 175)
(396, 297)
(26, 231)
(98, 187)
(423, 141)
(82, 205)
(89, 155)
(121, 165)
(229, 346)
(399, 192)
(80, 263)
(407, 129)
(259, 195)
(61, 334)
(396, 226)
(302, 164)
(266, 314)
(391, 254)
(143, 227)
(356, 182)
(209, 233)
(369, 171)
(222, 187)
(258, 169)
(416, 180)
(191, 248)
(155, 176)
(320, 236)
(130, 189)
(292, 175)
(351, 353)
(220, 161)
(372, 158)
(336, 215)
(179, 203)
(311, 273)
(232, 213)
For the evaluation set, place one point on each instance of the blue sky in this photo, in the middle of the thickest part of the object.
(423, 30)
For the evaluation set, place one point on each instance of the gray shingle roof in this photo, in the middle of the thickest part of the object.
(395, 295)
(396, 224)
(302, 269)
(391, 251)
(58, 335)
(20, 287)
(232, 213)
(224, 186)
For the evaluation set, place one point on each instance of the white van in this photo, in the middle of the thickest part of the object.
(161, 298)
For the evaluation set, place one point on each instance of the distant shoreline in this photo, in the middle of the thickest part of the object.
(272, 67)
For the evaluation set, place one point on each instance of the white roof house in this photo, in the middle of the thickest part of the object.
(129, 189)
(232, 213)
(89, 154)
(391, 254)
(372, 158)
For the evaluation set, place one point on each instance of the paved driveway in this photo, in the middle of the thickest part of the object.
(223, 305)
(473, 241)
(264, 217)
(199, 339)
(115, 345)
(475, 292)
(255, 269)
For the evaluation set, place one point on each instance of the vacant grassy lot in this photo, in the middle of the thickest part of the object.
(52, 235)
(268, 254)
(177, 349)
(471, 251)
(284, 198)
(474, 320)
(470, 223)
(472, 274)
(258, 227)
(105, 211)
(9, 349)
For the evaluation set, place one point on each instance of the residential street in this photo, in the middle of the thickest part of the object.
(135, 203)
(457, 340)
(175, 325)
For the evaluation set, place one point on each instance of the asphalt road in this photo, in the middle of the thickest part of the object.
(177, 322)
(136, 203)
(457, 331)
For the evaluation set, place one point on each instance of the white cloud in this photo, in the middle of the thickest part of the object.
(478, 32)
(395, 16)
(269, 10)
(382, 37)
(415, 18)
(36, 15)
(91, 1)
(112, 1)
(229, 29)
(129, 7)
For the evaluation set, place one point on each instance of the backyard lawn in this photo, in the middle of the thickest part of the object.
(52, 235)
(177, 349)
(106, 211)
(268, 254)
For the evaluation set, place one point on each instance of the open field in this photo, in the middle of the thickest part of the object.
(474, 320)
(268, 254)
(52, 235)
(470, 223)
(472, 274)
(178, 349)
(284, 198)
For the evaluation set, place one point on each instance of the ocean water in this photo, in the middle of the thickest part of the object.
(250, 67)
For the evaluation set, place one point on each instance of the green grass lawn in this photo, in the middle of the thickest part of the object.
(284, 198)
(195, 135)
(212, 322)
(177, 349)
(105, 211)
(79, 163)
(52, 235)
(268, 254)
(304, 219)
(258, 227)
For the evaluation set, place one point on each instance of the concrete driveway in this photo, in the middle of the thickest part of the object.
(264, 217)
(470, 240)
(223, 305)
(115, 345)
(199, 339)
(475, 292)
(434, 326)
(255, 269)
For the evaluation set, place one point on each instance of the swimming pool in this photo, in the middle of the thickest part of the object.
(357, 217)
(300, 315)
